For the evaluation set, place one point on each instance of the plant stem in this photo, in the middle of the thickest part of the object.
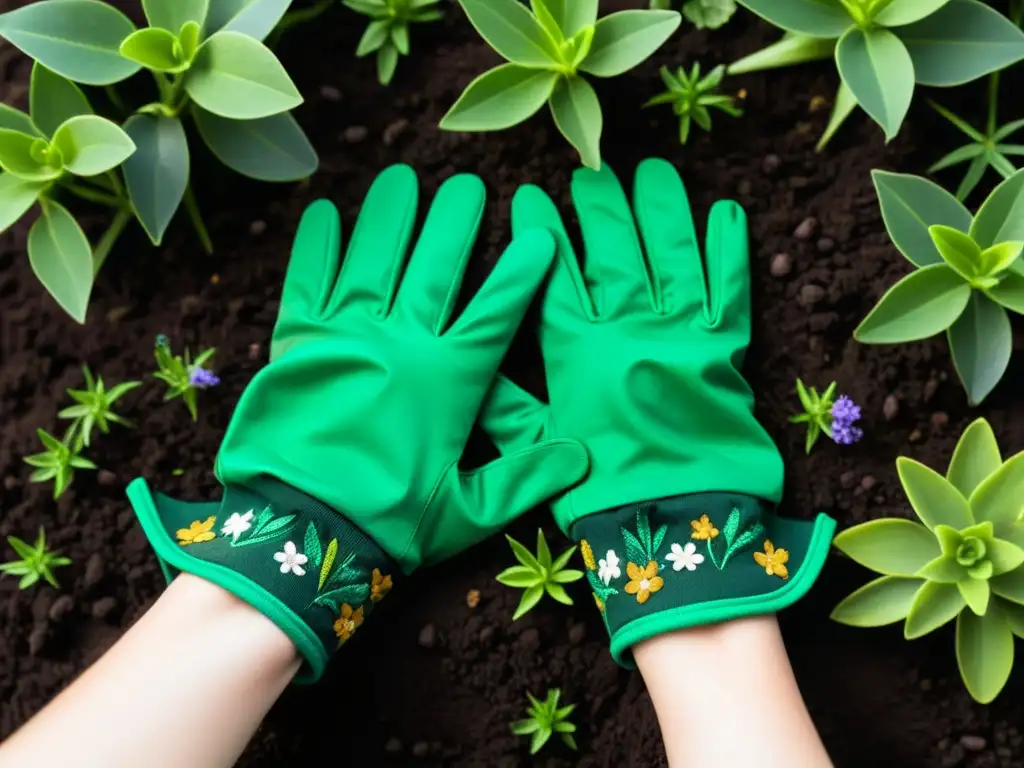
(92, 195)
(116, 185)
(115, 99)
(197, 219)
(993, 103)
(106, 243)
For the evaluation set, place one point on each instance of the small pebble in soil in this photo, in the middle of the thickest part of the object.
(973, 743)
(106, 477)
(914, 436)
(771, 164)
(891, 407)
(420, 749)
(930, 388)
(744, 188)
(355, 134)
(826, 245)
(393, 746)
(428, 636)
(955, 756)
(93, 570)
(782, 265)
(330, 93)
(848, 479)
(103, 607)
(37, 639)
(486, 635)
(577, 633)
(868, 482)
(61, 607)
(811, 294)
(473, 598)
(806, 229)
(257, 227)
(11, 482)
(940, 420)
(530, 639)
(254, 351)
(393, 131)
(822, 321)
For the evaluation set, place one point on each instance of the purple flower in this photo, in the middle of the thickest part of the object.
(845, 412)
(201, 377)
(845, 434)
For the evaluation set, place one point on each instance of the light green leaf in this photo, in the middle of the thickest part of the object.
(92, 145)
(157, 174)
(511, 30)
(577, 114)
(557, 591)
(255, 18)
(901, 12)
(573, 15)
(932, 496)
(189, 39)
(78, 39)
(543, 551)
(387, 62)
(27, 157)
(520, 577)
(1013, 614)
(523, 555)
(155, 49)
(910, 205)
(529, 600)
(934, 605)
(976, 457)
(944, 570)
(16, 197)
(500, 98)
(375, 35)
(1001, 216)
(272, 149)
(61, 257)
(999, 498)
(976, 593)
(791, 49)
(172, 15)
(817, 18)
(400, 38)
(980, 342)
(984, 653)
(999, 257)
(962, 41)
(625, 39)
(15, 120)
(879, 602)
(54, 99)
(547, 21)
(235, 76)
(875, 65)
(889, 546)
(1010, 585)
(921, 305)
(957, 249)
(709, 14)
(1009, 291)
(1004, 556)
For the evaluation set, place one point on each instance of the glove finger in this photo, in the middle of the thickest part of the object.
(728, 249)
(512, 417)
(314, 264)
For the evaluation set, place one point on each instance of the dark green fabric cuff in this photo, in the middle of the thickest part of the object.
(298, 562)
(697, 559)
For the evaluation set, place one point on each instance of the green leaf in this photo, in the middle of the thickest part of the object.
(524, 727)
(92, 145)
(984, 653)
(901, 12)
(889, 546)
(921, 305)
(562, 560)
(875, 65)
(271, 149)
(976, 457)
(567, 576)
(958, 250)
(817, 18)
(547, 21)
(311, 546)
(932, 496)
(61, 257)
(879, 602)
(1010, 585)
(980, 342)
(529, 600)
(578, 117)
(791, 49)
(237, 77)
(1001, 216)
(519, 577)
(78, 39)
(625, 39)
(26, 156)
(500, 98)
(962, 41)
(1013, 614)
(155, 49)
(172, 15)
(1004, 556)
(54, 100)
(328, 563)
(573, 15)
(934, 605)
(523, 555)
(400, 38)
(709, 14)
(375, 35)
(910, 205)
(997, 499)
(157, 174)
(1009, 291)
(15, 120)
(189, 39)
(387, 62)
(16, 197)
(944, 570)
(976, 593)
(558, 593)
(511, 30)
(353, 594)
(999, 257)
(255, 18)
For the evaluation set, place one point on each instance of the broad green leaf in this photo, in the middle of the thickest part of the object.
(547, 21)
(625, 39)
(960, 42)
(26, 156)
(984, 653)
(901, 12)
(12, 119)
(511, 30)
(1010, 585)
(844, 105)
(921, 305)
(791, 49)
(879, 602)
(709, 14)
(932, 496)
(61, 257)
(944, 570)
(172, 15)
(1013, 614)
(875, 65)
(949, 539)
(239, 78)
(980, 342)
(910, 205)
(1009, 291)
(157, 174)
(976, 593)
(976, 457)
(255, 18)
(934, 605)
(1001, 216)
(999, 498)
(16, 197)
(272, 149)
(999, 257)
(577, 114)
(156, 49)
(78, 39)
(54, 99)
(92, 145)
(500, 98)
(817, 18)
(1004, 556)
(573, 15)
(889, 546)
(958, 250)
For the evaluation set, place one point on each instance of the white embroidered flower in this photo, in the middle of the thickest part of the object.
(608, 568)
(237, 524)
(291, 560)
(687, 557)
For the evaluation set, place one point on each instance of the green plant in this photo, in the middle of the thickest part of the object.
(537, 575)
(883, 47)
(545, 719)
(817, 413)
(703, 14)
(60, 459)
(388, 32)
(967, 554)
(94, 405)
(36, 562)
(207, 63)
(968, 274)
(692, 97)
(184, 377)
(547, 51)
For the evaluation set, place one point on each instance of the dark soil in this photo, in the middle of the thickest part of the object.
(443, 679)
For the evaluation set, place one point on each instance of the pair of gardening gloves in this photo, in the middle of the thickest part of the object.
(340, 466)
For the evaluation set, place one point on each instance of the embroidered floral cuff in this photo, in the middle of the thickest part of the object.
(696, 559)
(300, 563)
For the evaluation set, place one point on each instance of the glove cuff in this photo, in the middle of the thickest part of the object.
(300, 563)
(689, 560)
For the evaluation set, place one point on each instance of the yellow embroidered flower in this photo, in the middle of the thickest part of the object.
(348, 622)
(600, 603)
(588, 555)
(198, 532)
(643, 582)
(703, 528)
(773, 560)
(380, 587)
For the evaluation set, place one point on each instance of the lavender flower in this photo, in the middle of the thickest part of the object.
(845, 434)
(202, 377)
(844, 413)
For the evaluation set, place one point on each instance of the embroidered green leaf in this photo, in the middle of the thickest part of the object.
(346, 573)
(744, 540)
(731, 527)
(643, 530)
(264, 517)
(602, 591)
(325, 569)
(269, 531)
(312, 546)
(635, 551)
(353, 594)
(659, 538)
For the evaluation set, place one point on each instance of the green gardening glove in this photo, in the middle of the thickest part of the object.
(643, 350)
(340, 464)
